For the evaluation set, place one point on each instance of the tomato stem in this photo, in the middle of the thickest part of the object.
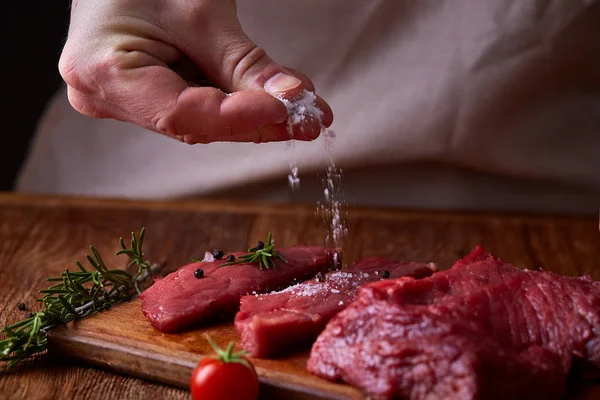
(228, 356)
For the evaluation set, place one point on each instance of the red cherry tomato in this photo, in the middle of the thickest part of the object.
(228, 376)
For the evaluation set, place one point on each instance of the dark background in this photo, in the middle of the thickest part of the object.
(33, 33)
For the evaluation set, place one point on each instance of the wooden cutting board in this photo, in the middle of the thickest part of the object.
(42, 236)
(122, 340)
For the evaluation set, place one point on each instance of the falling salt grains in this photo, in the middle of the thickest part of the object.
(293, 176)
(341, 303)
(299, 110)
(290, 147)
(333, 199)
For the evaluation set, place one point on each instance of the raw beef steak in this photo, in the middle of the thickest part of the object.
(481, 330)
(269, 324)
(181, 300)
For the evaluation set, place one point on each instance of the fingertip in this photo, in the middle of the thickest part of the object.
(308, 130)
(307, 83)
(251, 110)
(284, 86)
(327, 118)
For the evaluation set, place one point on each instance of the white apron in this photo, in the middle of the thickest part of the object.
(456, 104)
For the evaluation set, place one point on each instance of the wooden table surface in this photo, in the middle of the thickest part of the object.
(41, 236)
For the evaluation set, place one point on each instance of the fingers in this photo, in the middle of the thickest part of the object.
(212, 37)
(160, 100)
(125, 75)
(327, 118)
(295, 90)
(235, 63)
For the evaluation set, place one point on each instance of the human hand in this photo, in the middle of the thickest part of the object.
(148, 62)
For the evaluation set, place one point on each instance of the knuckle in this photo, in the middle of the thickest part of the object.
(169, 123)
(192, 13)
(69, 70)
(193, 118)
(85, 105)
(239, 58)
(90, 75)
(191, 139)
(164, 123)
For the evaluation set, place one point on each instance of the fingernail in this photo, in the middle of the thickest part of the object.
(284, 86)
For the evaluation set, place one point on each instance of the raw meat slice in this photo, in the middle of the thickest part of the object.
(481, 330)
(181, 300)
(272, 323)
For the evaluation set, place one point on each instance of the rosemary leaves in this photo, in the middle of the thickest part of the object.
(263, 254)
(77, 294)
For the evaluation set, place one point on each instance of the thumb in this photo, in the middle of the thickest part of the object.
(226, 55)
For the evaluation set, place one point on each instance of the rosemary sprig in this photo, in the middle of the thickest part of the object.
(77, 294)
(264, 255)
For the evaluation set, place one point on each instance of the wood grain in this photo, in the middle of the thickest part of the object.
(120, 340)
(40, 236)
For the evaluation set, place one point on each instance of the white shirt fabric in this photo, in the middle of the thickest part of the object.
(453, 104)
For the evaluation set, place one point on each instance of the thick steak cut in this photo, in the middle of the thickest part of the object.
(481, 330)
(181, 300)
(272, 323)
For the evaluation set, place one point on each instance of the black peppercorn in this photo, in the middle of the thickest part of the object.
(199, 273)
(217, 254)
(29, 315)
(319, 277)
(260, 245)
(21, 306)
(385, 274)
(230, 258)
